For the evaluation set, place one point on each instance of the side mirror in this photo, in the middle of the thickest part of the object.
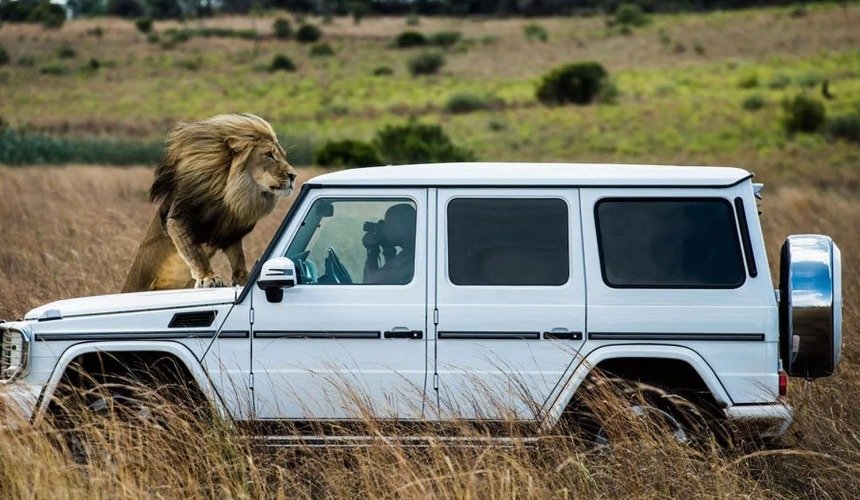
(277, 274)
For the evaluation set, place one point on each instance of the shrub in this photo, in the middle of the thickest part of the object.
(153, 38)
(466, 102)
(97, 32)
(426, 63)
(845, 127)
(52, 16)
(4, 56)
(358, 10)
(413, 20)
(608, 93)
(753, 102)
(66, 52)
(445, 39)
(347, 153)
(128, 9)
(53, 69)
(535, 32)
(802, 114)
(282, 28)
(308, 33)
(94, 64)
(809, 79)
(577, 83)
(321, 50)
(409, 39)
(699, 49)
(418, 143)
(280, 62)
(779, 81)
(628, 14)
(383, 71)
(797, 11)
(748, 80)
(26, 61)
(144, 25)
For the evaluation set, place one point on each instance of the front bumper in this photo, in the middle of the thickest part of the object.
(760, 421)
(17, 404)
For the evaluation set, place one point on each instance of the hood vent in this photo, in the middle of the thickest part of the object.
(197, 319)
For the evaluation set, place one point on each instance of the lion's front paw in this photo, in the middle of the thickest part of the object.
(240, 278)
(211, 281)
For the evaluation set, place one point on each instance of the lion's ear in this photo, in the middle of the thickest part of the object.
(235, 143)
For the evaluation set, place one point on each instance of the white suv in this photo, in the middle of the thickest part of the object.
(440, 291)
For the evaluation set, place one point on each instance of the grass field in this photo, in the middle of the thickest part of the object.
(72, 230)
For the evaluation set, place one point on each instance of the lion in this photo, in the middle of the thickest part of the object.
(215, 181)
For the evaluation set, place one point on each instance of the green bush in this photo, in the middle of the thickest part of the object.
(4, 56)
(809, 79)
(577, 83)
(280, 62)
(628, 14)
(94, 64)
(97, 32)
(748, 80)
(308, 33)
(52, 16)
(66, 52)
(144, 25)
(26, 148)
(409, 39)
(282, 28)
(418, 143)
(426, 63)
(466, 102)
(358, 10)
(802, 114)
(845, 127)
(779, 81)
(347, 153)
(535, 32)
(321, 50)
(753, 102)
(607, 93)
(53, 70)
(383, 71)
(26, 61)
(445, 39)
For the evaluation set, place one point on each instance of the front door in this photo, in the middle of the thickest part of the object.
(510, 299)
(350, 339)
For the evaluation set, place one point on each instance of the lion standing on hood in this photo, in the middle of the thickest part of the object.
(217, 178)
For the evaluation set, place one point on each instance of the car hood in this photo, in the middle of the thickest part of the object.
(131, 302)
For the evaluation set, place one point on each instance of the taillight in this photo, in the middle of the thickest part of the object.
(783, 383)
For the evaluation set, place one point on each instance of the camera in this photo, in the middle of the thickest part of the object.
(373, 227)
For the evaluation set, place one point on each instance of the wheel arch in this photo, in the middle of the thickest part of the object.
(174, 350)
(613, 354)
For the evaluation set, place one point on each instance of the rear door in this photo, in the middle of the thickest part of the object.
(510, 299)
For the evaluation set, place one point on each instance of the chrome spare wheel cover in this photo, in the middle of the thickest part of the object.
(810, 306)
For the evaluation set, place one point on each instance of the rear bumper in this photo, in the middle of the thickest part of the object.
(17, 404)
(760, 421)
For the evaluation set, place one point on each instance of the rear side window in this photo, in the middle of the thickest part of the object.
(495, 241)
(669, 243)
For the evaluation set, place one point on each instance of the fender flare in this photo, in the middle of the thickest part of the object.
(585, 366)
(180, 351)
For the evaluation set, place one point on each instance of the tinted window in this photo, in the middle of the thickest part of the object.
(670, 243)
(507, 241)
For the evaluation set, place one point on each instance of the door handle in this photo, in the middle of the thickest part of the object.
(401, 332)
(562, 334)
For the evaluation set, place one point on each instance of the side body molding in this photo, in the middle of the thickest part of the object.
(181, 352)
(583, 366)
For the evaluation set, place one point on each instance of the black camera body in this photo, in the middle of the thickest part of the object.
(373, 227)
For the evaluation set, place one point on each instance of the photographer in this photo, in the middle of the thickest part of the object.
(382, 239)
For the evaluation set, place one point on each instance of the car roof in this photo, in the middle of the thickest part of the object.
(534, 174)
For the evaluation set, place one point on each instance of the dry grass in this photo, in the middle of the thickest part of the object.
(72, 231)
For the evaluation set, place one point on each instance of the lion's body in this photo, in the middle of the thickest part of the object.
(217, 178)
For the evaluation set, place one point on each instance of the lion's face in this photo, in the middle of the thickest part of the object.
(268, 166)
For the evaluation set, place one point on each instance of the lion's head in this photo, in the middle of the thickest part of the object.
(256, 153)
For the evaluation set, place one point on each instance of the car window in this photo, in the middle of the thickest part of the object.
(669, 243)
(500, 241)
(356, 241)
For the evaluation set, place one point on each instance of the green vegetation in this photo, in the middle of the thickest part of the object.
(4, 56)
(445, 39)
(280, 62)
(144, 25)
(467, 102)
(282, 28)
(308, 33)
(66, 52)
(21, 148)
(426, 63)
(409, 39)
(535, 32)
(629, 15)
(347, 153)
(753, 102)
(321, 50)
(416, 142)
(802, 114)
(577, 83)
(845, 127)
